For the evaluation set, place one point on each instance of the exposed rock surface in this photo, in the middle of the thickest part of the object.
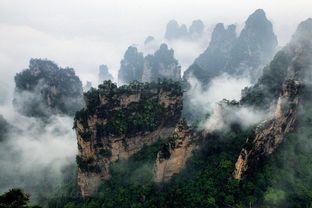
(247, 53)
(172, 158)
(118, 122)
(44, 89)
(297, 70)
(104, 74)
(160, 65)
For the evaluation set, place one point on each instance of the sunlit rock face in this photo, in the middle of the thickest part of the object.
(45, 89)
(117, 122)
(104, 74)
(171, 159)
(245, 54)
(160, 65)
(285, 79)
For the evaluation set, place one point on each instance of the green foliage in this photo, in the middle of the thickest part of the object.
(137, 117)
(105, 153)
(86, 165)
(205, 182)
(85, 135)
(15, 198)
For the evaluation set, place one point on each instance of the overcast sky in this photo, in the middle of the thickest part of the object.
(84, 34)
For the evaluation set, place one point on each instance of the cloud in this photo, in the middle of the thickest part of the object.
(221, 87)
(36, 152)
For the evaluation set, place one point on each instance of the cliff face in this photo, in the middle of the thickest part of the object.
(118, 122)
(44, 89)
(270, 134)
(247, 53)
(172, 157)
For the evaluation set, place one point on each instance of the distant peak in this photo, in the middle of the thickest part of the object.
(304, 30)
(163, 46)
(258, 15)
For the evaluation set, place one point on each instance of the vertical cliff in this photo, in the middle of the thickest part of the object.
(172, 157)
(45, 89)
(117, 122)
(296, 71)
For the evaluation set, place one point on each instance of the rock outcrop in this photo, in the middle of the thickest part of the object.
(45, 89)
(160, 65)
(227, 53)
(131, 67)
(297, 72)
(118, 122)
(104, 74)
(172, 157)
(175, 32)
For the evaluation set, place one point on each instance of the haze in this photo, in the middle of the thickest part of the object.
(84, 34)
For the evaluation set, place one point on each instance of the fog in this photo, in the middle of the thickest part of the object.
(84, 34)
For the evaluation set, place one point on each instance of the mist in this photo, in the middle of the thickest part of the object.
(36, 153)
(84, 35)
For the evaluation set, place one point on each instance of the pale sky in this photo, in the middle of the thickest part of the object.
(84, 34)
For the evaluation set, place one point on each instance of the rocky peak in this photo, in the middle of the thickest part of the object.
(117, 122)
(256, 44)
(222, 38)
(303, 33)
(104, 73)
(131, 67)
(161, 65)
(174, 31)
(44, 89)
(197, 28)
(294, 63)
(246, 54)
(214, 59)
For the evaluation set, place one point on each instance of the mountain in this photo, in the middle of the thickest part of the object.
(135, 149)
(118, 122)
(175, 32)
(45, 89)
(104, 74)
(245, 54)
(287, 79)
(160, 65)
(131, 67)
